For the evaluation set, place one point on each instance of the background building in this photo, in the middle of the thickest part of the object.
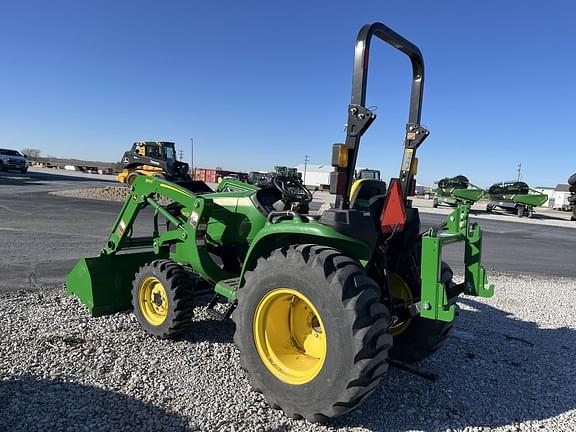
(317, 176)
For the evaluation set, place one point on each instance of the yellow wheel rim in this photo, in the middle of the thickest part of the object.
(289, 336)
(399, 289)
(153, 301)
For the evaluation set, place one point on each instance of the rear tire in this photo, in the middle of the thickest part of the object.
(163, 298)
(422, 336)
(353, 322)
(489, 208)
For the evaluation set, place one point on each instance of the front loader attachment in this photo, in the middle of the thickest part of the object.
(104, 283)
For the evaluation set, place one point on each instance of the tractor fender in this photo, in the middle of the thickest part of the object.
(292, 232)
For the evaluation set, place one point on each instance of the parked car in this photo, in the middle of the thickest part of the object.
(13, 160)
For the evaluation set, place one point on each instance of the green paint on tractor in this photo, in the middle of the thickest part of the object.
(320, 300)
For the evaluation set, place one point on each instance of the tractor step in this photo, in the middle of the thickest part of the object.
(228, 287)
(217, 315)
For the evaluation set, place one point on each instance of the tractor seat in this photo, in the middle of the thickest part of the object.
(363, 191)
(267, 200)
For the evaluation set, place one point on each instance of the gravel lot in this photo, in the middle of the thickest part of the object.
(508, 366)
(108, 193)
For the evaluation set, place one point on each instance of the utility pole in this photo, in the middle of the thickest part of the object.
(192, 156)
(306, 160)
(519, 170)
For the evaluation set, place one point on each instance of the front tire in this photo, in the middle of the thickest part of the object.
(312, 332)
(162, 298)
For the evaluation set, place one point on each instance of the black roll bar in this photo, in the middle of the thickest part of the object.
(360, 118)
(361, 55)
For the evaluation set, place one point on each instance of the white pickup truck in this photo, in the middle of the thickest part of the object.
(13, 160)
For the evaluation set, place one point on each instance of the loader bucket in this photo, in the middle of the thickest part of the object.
(104, 283)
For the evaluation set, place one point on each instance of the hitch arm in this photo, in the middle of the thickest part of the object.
(437, 301)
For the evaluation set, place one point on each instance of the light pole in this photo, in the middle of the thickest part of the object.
(192, 157)
(306, 159)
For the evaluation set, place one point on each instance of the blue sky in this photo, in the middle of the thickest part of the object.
(258, 84)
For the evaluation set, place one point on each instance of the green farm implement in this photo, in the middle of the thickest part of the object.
(515, 197)
(572, 197)
(456, 191)
(322, 303)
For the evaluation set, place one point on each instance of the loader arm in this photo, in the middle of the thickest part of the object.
(143, 193)
(189, 235)
(103, 283)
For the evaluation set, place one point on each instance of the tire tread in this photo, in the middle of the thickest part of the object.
(369, 320)
(181, 295)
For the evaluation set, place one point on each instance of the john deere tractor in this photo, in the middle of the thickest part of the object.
(322, 303)
(152, 158)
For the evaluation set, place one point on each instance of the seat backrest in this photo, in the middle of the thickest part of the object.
(363, 190)
(268, 199)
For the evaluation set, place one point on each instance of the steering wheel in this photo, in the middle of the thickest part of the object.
(292, 189)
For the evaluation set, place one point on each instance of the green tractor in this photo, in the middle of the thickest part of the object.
(322, 303)
(265, 179)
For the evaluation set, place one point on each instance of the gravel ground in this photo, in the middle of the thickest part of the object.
(509, 367)
(108, 193)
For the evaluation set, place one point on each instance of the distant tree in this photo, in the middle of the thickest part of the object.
(31, 153)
